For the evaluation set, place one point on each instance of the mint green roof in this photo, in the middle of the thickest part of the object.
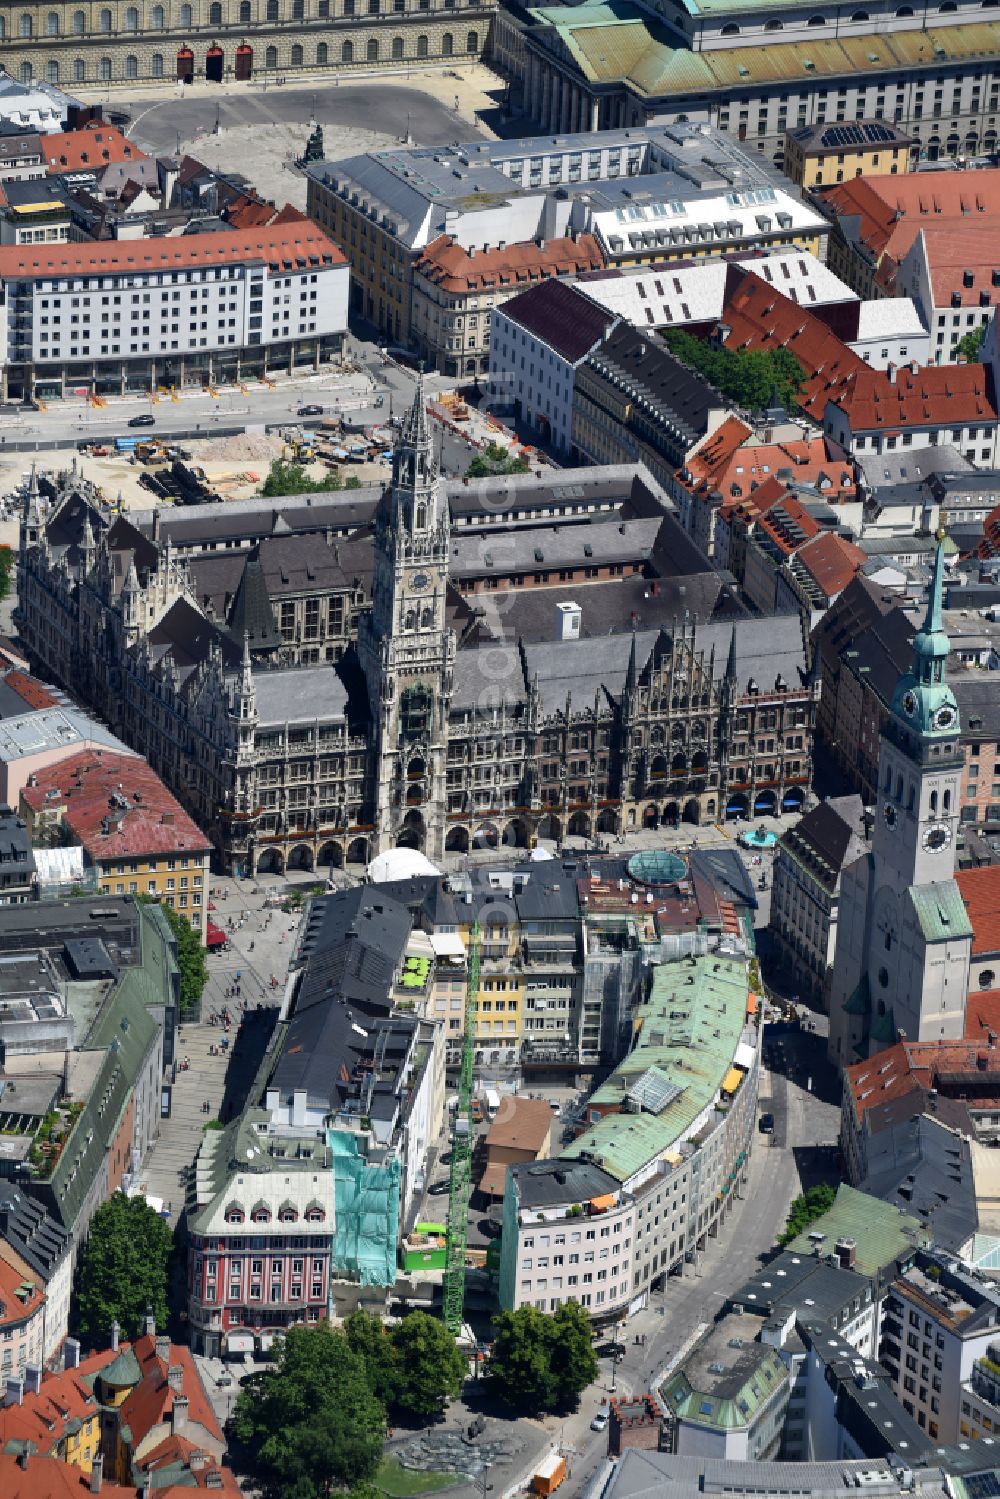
(923, 692)
(884, 1027)
(940, 911)
(123, 1372)
(736, 1404)
(127, 1032)
(882, 1232)
(688, 1029)
(860, 1001)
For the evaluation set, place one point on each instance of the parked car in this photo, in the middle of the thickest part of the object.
(310, 411)
(766, 1124)
(144, 419)
(600, 1420)
(438, 1189)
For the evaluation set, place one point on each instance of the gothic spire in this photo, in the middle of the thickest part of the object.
(414, 428)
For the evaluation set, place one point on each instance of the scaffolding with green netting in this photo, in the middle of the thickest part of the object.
(366, 1207)
(460, 1182)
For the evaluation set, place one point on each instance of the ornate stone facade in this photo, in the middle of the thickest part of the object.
(426, 731)
(92, 43)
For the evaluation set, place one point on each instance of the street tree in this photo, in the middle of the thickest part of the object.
(520, 1368)
(367, 1337)
(123, 1269)
(429, 1365)
(310, 1425)
(572, 1359)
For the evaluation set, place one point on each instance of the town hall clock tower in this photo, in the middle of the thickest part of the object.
(406, 648)
(904, 941)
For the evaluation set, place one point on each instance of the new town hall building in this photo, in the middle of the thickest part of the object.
(442, 666)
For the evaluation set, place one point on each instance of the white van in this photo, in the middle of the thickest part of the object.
(492, 1103)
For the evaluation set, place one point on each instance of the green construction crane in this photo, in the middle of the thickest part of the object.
(460, 1181)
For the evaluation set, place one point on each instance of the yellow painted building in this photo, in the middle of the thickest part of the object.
(823, 155)
(135, 836)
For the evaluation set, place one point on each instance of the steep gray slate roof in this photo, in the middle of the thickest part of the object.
(585, 668)
(299, 694)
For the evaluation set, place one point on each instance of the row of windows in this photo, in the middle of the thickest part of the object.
(373, 53)
(859, 17)
(185, 16)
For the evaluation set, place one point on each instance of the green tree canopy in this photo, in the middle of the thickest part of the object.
(496, 459)
(430, 1366)
(369, 1340)
(520, 1368)
(806, 1209)
(311, 1423)
(411, 1368)
(750, 378)
(122, 1271)
(968, 346)
(291, 478)
(6, 570)
(572, 1359)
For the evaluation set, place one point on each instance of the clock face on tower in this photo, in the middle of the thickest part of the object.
(910, 704)
(937, 837)
(420, 581)
(889, 815)
(945, 717)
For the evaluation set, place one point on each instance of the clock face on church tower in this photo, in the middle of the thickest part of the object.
(910, 704)
(945, 717)
(936, 837)
(420, 581)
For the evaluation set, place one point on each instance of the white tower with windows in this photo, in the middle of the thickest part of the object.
(904, 940)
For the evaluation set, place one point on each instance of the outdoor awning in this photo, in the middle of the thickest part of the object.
(214, 936)
(239, 1342)
(447, 945)
(751, 1004)
(744, 1056)
(602, 1204)
(732, 1080)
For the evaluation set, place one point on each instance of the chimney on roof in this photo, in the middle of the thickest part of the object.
(890, 370)
(175, 1374)
(15, 1392)
(32, 1378)
(96, 1474)
(179, 1414)
(22, 1460)
(115, 1335)
(163, 1348)
(847, 1253)
(71, 1354)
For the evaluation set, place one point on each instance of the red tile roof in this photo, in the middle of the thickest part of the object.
(20, 1296)
(736, 469)
(982, 1015)
(178, 1452)
(783, 518)
(958, 253)
(761, 318)
(892, 210)
(29, 688)
(900, 1069)
(449, 265)
(936, 396)
(86, 784)
(66, 1397)
(980, 890)
(151, 1401)
(283, 247)
(710, 461)
(94, 146)
(831, 561)
(48, 1478)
